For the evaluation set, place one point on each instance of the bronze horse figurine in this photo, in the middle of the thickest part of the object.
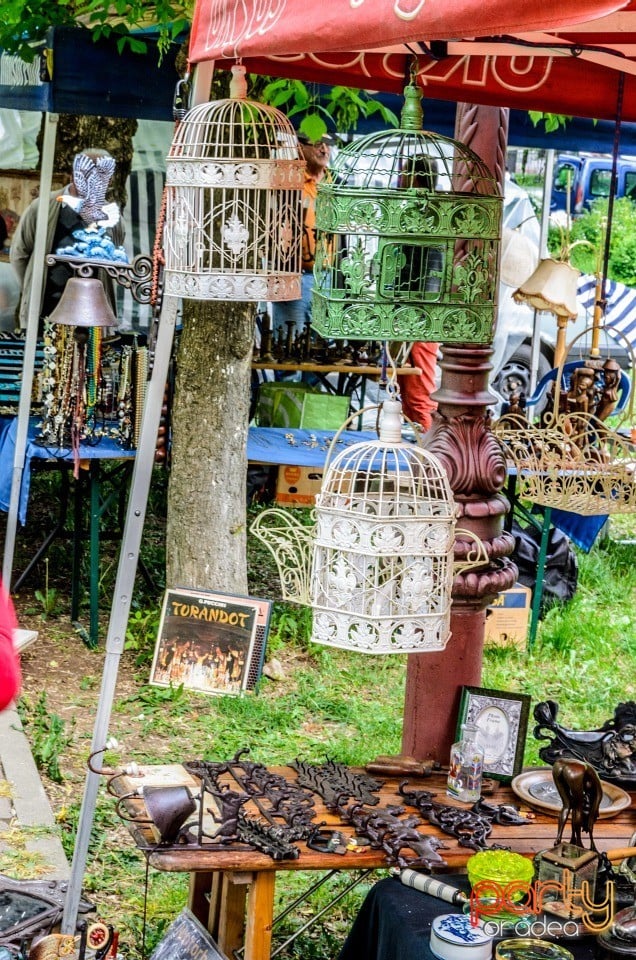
(581, 792)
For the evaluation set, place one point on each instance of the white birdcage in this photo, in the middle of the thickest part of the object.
(382, 566)
(234, 203)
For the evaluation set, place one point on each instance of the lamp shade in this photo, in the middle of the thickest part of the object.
(519, 257)
(551, 287)
(84, 304)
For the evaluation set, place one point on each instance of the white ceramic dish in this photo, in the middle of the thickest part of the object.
(453, 937)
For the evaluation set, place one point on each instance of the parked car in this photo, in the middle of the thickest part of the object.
(512, 359)
(589, 178)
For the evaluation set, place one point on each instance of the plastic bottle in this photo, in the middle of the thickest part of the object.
(466, 766)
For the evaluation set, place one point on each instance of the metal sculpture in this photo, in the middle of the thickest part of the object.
(335, 782)
(610, 749)
(471, 827)
(581, 792)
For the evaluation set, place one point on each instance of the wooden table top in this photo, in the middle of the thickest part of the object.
(527, 839)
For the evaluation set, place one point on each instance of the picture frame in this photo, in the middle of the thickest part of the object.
(501, 719)
(210, 642)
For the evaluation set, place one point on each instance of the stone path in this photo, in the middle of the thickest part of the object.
(27, 806)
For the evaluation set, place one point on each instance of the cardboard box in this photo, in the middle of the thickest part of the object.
(298, 486)
(508, 617)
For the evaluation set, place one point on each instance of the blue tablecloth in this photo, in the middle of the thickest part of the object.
(106, 449)
(264, 445)
(301, 448)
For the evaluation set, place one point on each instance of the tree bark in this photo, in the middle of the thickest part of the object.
(75, 133)
(206, 532)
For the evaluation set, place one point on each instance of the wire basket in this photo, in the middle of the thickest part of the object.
(572, 460)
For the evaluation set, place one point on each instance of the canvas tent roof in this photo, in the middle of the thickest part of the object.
(527, 55)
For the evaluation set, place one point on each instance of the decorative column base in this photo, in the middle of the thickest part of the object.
(461, 438)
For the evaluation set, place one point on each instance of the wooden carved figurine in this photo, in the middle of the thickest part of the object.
(581, 793)
(581, 396)
(611, 384)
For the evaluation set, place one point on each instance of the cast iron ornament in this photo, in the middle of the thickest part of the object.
(610, 749)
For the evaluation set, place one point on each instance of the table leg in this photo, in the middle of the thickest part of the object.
(95, 507)
(234, 890)
(537, 593)
(57, 531)
(199, 898)
(260, 916)
(78, 531)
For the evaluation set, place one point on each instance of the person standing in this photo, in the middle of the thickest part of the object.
(425, 264)
(316, 155)
(81, 204)
(10, 676)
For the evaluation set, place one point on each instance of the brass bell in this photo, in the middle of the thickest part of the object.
(84, 304)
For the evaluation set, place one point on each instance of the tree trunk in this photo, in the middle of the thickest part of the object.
(75, 133)
(206, 532)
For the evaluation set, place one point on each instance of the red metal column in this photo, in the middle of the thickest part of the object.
(461, 438)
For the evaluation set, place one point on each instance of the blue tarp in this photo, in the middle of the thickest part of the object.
(106, 449)
(92, 78)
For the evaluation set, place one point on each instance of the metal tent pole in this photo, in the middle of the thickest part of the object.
(543, 248)
(28, 363)
(126, 570)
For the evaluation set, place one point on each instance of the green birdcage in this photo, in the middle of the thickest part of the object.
(408, 230)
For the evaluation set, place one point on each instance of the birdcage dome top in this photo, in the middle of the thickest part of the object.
(391, 158)
(234, 127)
(378, 479)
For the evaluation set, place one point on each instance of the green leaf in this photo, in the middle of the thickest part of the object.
(313, 127)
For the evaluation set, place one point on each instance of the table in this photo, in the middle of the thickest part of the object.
(394, 923)
(301, 448)
(349, 375)
(89, 488)
(232, 889)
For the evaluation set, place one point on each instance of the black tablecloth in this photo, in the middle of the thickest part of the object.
(394, 923)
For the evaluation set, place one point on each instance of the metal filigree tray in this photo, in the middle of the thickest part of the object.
(536, 787)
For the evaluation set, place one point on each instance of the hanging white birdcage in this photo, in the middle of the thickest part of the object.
(383, 548)
(234, 203)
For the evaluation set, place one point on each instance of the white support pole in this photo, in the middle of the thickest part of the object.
(122, 596)
(28, 364)
(202, 82)
(543, 252)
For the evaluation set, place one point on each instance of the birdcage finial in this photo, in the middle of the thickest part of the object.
(391, 422)
(238, 83)
(412, 116)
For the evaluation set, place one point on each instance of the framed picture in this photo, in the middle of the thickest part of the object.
(210, 642)
(501, 719)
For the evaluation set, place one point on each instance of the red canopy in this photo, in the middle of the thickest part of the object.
(561, 57)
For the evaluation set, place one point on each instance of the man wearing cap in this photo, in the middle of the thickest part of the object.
(316, 155)
(79, 205)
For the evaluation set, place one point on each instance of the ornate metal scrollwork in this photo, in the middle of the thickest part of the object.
(135, 276)
(611, 749)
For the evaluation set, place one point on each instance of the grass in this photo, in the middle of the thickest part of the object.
(332, 703)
